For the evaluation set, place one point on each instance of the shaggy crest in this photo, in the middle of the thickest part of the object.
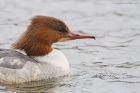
(40, 34)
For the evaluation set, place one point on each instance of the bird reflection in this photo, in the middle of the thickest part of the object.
(43, 86)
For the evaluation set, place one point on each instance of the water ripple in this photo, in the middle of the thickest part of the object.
(128, 65)
(114, 76)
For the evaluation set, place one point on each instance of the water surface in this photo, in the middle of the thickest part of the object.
(109, 64)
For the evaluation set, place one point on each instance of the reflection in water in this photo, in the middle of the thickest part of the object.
(36, 86)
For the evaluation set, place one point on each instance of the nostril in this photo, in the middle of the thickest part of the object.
(77, 35)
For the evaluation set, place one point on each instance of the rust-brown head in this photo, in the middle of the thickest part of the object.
(42, 33)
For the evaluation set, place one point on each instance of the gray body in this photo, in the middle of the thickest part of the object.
(8, 58)
(16, 67)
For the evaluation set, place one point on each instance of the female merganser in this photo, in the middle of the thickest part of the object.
(33, 57)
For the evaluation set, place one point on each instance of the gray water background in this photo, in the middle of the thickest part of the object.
(109, 64)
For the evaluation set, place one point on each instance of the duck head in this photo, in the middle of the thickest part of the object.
(42, 33)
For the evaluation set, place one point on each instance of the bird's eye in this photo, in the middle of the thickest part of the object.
(60, 30)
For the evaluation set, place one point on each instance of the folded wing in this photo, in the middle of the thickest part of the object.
(13, 59)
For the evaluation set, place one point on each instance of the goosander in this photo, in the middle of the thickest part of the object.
(32, 57)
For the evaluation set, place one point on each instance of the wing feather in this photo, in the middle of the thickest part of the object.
(13, 59)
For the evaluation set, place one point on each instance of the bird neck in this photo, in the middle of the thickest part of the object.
(39, 50)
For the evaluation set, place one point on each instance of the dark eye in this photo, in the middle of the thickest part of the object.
(61, 30)
(59, 26)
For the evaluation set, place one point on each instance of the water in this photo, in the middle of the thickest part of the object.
(109, 64)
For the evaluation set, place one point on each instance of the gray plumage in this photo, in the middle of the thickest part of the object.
(13, 59)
